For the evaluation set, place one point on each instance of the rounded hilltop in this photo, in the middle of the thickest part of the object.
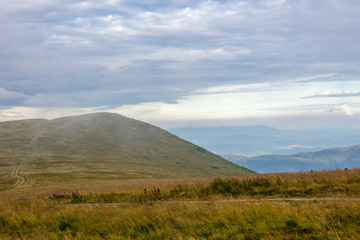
(103, 146)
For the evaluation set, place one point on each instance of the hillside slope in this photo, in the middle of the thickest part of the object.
(101, 146)
(347, 157)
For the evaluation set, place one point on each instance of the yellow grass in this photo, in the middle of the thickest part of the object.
(31, 214)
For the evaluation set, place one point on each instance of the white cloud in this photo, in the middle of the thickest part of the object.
(335, 94)
(267, 86)
(67, 41)
(344, 108)
(295, 146)
(261, 100)
(16, 113)
(317, 77)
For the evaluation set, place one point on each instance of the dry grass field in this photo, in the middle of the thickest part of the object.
(189, 209)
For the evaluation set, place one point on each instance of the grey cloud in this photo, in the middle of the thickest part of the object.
(108, 98)
(10, 98)
(71, 49)
(335, 94)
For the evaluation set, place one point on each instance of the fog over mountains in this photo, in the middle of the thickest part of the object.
(242, 143)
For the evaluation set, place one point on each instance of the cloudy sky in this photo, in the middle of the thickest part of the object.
(283, 63)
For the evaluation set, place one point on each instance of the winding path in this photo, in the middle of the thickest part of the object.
(16, 173)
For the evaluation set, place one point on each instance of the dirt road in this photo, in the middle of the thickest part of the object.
(16, 173)
(218, 201)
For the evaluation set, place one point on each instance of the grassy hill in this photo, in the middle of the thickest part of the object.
(347, 157)
(101, 146)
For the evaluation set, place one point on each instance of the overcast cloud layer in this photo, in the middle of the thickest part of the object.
(182, 61)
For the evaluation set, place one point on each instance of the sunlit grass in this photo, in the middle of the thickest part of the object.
(326, 184)
(182, 211)
(179, 220)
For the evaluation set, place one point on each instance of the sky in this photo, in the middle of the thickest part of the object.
(291, 64)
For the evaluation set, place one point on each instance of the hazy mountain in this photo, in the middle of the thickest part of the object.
(347, 157)
(261, 140)
(100, 146)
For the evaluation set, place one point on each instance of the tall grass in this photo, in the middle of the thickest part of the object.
(179, 220)
(177, 211)
(263, 186)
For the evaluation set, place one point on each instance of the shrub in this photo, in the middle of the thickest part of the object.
(77, 198)
(65, 223)
(237, 187)
(291, 224)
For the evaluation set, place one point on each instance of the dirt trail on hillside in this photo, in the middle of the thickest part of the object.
(16, 173)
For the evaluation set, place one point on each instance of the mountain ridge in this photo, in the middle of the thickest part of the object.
(334, 158)
(262, 140)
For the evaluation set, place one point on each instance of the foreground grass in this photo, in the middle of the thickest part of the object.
(180, 212)
(281, 220)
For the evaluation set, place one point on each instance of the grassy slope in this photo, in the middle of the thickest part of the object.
(101, 146)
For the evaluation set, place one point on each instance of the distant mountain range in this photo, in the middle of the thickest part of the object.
(347, 157)
(240, 143)
(101, 146)
(260, 140)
